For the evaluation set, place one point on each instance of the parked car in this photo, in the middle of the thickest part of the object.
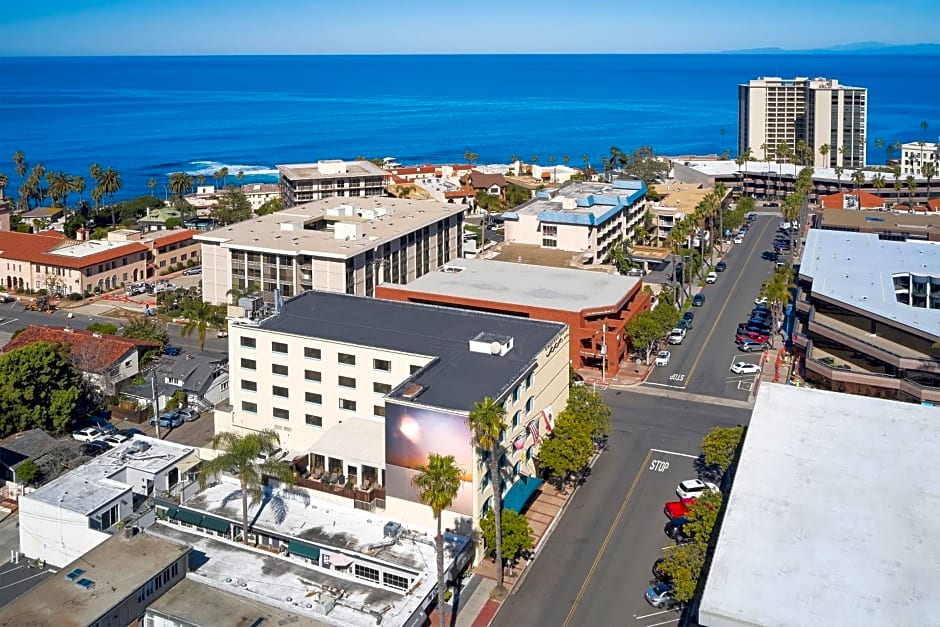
(131, 432)
(693, 488)
(760, 319)
(101, 423)
(689, 316)
(658, 573)
(95, 448)
(698, 300)
(785, 226)
(172, 351)
(676, 530)
(761, 309)
(661, 595)
(676, 336)
(748, 345)
(115, 438)
(189, 414)
(752, 335)
(221, 333)
(677, 509)
(721, 266)
(751, 216)
(88, 434)
(684, 324)
(738, 239)
(743, 367)
(711, 277)
(760, 329)
(662, 358)
(192, 271)
(769, 255)
(168, 420)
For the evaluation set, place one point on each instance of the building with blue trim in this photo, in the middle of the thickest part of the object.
(589, 218)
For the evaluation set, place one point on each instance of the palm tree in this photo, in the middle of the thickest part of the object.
(839, 172)
(879, 143)
(97, 194)
(586, 160)
(217, 175)
(4, 181)
(77, 185)
(566, 159)
(94, 171)
(777, 291)
(180, 183)
(200, 317)
(224, 174)
(551, 162)
(241, 177)
(878, 182)
(768, 157)
(929, 170)
(152, 184)
(201, 179)
(535, 158)
(898, 185)
(824, 151)
(110, 184)
(924, 125)
(486, 422)
(721, 190)
(858, 178)
(438, 483)
(58, 187)
(239, 455)
(911, 188)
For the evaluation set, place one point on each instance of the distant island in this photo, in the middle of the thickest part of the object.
(862, 47)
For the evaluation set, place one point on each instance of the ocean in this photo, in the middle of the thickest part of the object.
(150, 116)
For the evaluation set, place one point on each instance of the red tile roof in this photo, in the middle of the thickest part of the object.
(934, 204)
(90, 352)
(866, 200)
(180, 235)
(37, 248)
(482, 180)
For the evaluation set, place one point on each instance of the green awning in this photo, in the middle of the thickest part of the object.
(171, 513)
(215, 524)
(186, 516)
(303, 550)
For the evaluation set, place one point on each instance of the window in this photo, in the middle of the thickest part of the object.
(529, 405)
(529, 379)
(515, 394)
(345, 358)
(109, 517)
(515, 419)
(249, 364)
(251, 386)
(312, 375)
(279, 369)
(311, 353)
(313, 421)
(364, 572)
(278, 347)
(280, 414)
(415, 369)
(251, 408)
(382, 364)
(378, 410)
(395, 581)
(346, 382)
(277, 390)
(313, 397)
(248, 342)
(347, 404)
(381, 388)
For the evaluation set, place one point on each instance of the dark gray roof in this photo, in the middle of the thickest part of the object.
(457, 378)
(197, 372)
(30, 444)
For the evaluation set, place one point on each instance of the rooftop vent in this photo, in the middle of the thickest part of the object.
(449, 269)
(491, 344)
(413, 391)
(391, 529)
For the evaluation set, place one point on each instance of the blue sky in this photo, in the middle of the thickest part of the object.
(105, 27)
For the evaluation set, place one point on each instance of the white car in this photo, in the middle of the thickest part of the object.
(694, 488)
(785, 226)
(662, 358)
(676, 336)
(743, 367)
(761, 300)
(116, 438)
(88, 434)
(711, 277)
(739, 239)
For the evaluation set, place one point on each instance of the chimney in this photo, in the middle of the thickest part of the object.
(81, 234)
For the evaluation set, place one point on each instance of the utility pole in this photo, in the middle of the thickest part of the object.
(604, 354)
(156, 401)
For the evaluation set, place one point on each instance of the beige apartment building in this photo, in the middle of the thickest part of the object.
(815, 111)
(303, 182)
(362, 390)
(337, 245)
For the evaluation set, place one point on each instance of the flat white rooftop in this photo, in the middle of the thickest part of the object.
(857, 269)
(100, 480)
(566, 289)
(330, 169)
(378, 219)
(830, 515)
(727, 167)
(89, 247)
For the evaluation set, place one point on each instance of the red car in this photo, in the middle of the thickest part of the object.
(751, 335)
(677, 509)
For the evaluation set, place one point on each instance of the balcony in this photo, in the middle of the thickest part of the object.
(365, 497)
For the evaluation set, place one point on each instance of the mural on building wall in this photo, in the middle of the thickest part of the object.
(411, 434)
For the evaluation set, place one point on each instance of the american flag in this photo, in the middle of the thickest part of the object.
(534, 431)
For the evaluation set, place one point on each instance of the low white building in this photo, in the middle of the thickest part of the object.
(260, 193)
(914, 155)
(69, 516)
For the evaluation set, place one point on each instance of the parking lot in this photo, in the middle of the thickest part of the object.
(15, 579)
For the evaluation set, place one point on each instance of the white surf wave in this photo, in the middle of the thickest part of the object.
(208, 168)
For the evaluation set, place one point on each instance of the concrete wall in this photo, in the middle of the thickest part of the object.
(216, 274)
(58, 536)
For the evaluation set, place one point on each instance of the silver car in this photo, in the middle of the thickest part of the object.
(661, 595)
(189, 414)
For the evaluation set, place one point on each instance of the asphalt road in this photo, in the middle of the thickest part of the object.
(595, 567)
(700, 365)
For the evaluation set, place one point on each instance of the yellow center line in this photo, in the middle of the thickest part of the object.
(734, 286)
(610, 534)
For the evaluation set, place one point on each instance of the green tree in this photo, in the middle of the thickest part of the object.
(26, 472)
(929, 170)
(200, 317)
(568, 448)
(238, 454)
(587, 407)
(621, 258)
(911, 188)
(487, 422)
(516, 195)
(719, 448)
(179, 184)
(269, 206)
(110, 183)
(147, 329)
(858, 178)
(232, 207)
(777, 291)
(104, 328)
(19, 164)
(437, 483)
(152, 185)
(58, 187)
(643, 164)
(40, 388)
(683, 565)
(178, 400)
(642, 332)
(703, 516)
(515, 533)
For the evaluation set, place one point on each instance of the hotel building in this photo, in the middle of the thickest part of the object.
(361, 390)
(915, 155)
(303, 182)
(817, 111)
(333, 244)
